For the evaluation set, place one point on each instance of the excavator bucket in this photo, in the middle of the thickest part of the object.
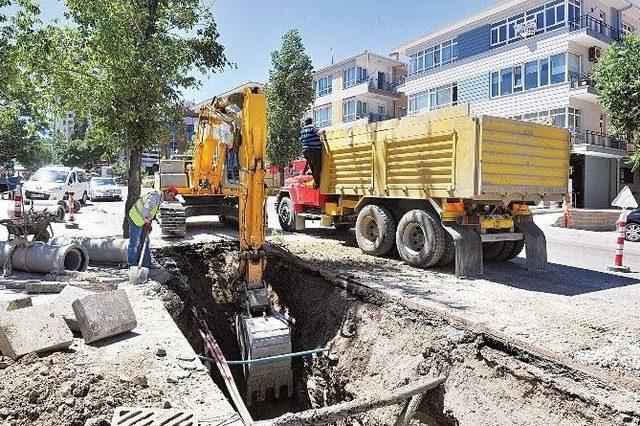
(260, 337)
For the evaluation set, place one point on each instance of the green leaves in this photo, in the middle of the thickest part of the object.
(289, 95)
(618, 82)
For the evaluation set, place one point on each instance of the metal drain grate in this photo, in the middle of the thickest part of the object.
(127, 416)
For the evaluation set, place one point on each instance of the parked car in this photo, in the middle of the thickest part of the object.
(101, 188)
(633, 226)
(55, 183)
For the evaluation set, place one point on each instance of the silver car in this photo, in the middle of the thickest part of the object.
(104, 189)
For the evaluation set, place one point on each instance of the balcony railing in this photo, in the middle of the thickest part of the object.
(589, 137)
(595, 25)
(378, 84)
(375, 117)
(582, 80)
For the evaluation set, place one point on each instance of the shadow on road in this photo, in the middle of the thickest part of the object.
(557, 279)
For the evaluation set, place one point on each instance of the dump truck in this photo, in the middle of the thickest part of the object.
(441, 187)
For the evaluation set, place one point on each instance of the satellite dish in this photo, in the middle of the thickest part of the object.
(625, 199)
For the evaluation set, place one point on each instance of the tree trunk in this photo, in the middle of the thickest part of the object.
(133, 186)
(281, 170)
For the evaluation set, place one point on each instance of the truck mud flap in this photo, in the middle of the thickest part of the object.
(468, 250)
(535, 245)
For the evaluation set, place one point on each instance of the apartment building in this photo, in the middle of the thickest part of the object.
(358, 89)
(532, 60)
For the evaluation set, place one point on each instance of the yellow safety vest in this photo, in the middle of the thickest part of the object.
(135, 214)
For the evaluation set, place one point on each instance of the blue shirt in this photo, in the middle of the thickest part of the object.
(309, 137)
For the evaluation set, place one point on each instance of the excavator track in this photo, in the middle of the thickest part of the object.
(173, 220)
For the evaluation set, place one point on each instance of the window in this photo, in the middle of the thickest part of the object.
(506, 83)
(433, 56)
(573, 66)
(354, 75)
(574, 10)
(558, 117)
(322, 116)
(558, 68)
(549, 17)
(443, 96)
(352, 110)
(382, 109)
(495, 84)
(531, 75)
(349, 77)
(570, 118)
(517, 79)
(544, 71)
(418, 103)
(574, 120)
(324, 85)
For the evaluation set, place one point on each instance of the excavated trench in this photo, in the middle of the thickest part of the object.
(378, 344)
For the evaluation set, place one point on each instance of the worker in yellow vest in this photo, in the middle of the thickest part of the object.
(140, 217)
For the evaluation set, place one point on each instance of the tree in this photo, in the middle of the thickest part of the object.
(618, 82)
(22, 116)
(83, 148)
(124, 66)
(289, 95)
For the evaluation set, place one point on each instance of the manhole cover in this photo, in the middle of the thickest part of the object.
(125, 416)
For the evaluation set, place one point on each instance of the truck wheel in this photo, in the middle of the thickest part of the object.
(507, 248)
(287, 214)
(375, 230)
(517, 248)
(449, 255)
(420, 238)
(492, 250)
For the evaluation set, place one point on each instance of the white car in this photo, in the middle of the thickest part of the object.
(55, 183)
(102, 188)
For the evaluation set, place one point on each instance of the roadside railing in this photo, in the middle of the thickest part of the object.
(595, 25)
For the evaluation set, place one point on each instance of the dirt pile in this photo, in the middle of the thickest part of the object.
(59, 389)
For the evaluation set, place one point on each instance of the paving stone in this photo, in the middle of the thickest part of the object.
(63, 301)
(103, 315)
(33, 329)
(17, 303)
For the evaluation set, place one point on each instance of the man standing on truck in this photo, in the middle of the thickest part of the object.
(140, 217)
(312, 149)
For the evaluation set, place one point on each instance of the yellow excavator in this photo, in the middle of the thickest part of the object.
(227, 177)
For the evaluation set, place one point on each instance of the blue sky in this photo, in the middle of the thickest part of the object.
(251, 29)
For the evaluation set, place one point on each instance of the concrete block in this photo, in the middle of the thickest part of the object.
(33, 329)
(103, 315)
(19, 303)
(56, 287)
(63, 301)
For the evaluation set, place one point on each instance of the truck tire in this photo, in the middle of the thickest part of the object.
(449, 255)
(507, 248)
(517, 248)
(375, 230)
(286, 214)
(420, 238)
(490, 251)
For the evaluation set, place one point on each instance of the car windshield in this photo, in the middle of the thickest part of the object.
(47, 175)
(103, 182)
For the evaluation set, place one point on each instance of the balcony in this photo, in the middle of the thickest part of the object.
(375, 117)
(371, 85)
(590, 138)
(583, 87)
(590, 31)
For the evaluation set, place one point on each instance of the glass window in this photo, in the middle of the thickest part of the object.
(506, 82)
(558, 117)
(428, 58)
(349, 77)
(418, 103)
(446, 52)
(502, 34)
(558, 68)
(413, 63)
(544, 71)
(531, 75)
(363, 75)
(443, 97)
(495, 84)
(322, 116)
(361, 110)
(494, 36)
(436, 56)
(574, 66)
(348, 110)
(574, 10)
(517, 78)
(454, 50)
(420, 61)
(324, 85)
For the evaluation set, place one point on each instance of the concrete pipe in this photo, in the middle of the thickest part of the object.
(104, 250)
(45, 258)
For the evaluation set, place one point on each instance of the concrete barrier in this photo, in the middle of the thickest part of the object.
(590, 220)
